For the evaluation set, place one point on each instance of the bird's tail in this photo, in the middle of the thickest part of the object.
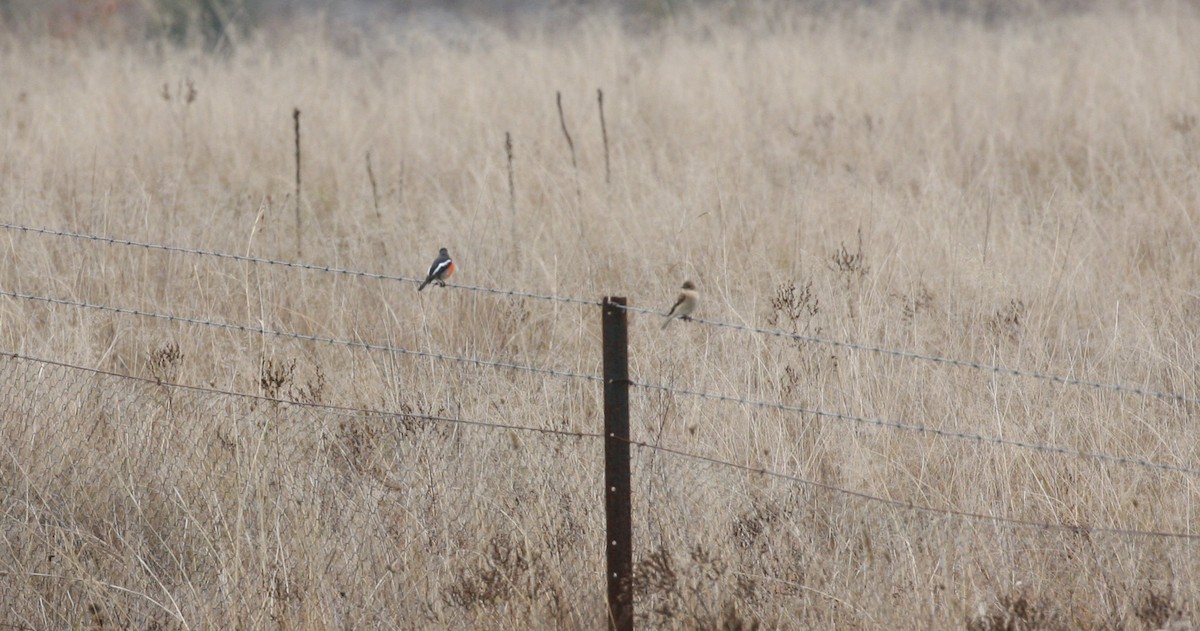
(668, 321)
(423, 285)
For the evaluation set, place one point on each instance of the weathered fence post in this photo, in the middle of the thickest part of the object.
(618, 505)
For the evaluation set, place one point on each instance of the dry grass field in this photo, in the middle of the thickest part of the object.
(1020, 192)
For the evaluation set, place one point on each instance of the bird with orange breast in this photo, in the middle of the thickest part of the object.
(442, 268)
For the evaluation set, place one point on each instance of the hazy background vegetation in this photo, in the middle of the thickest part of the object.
(218, 22)
(1001, 183)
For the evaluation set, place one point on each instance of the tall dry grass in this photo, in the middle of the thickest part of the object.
(1021, 193)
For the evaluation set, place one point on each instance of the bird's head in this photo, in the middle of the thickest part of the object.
(687, 284)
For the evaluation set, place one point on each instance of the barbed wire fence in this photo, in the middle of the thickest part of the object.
(106, 466)
(183, 478)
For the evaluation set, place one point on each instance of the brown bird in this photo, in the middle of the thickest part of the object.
(685, 304)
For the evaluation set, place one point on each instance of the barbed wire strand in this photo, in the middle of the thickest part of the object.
(944, 433)
(358, 412)
(902, 354)
(242, 328)
(290, 264)
(1012, 521)
(325, 407)
(1173, 397)
(649, 386)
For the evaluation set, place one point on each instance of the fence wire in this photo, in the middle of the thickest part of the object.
(130, 503)
(1175, 397)
(721, 546)
(146, 245)
(798, 411)
(262, 330)
(487, 363)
